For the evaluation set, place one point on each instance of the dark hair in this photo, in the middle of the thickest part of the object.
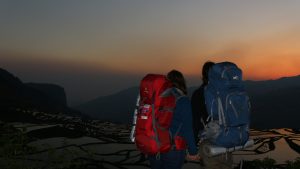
(207, 65)
(178, 80)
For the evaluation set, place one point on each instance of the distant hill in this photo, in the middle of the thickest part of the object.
(14, 94)
(116, 108)
(262, 87)
(274, 104)
(53, 92)
(276, 109)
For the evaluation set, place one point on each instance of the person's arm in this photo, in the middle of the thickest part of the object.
(193, 157)
(184, 107)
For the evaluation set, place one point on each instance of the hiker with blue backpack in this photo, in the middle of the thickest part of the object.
(221, 113)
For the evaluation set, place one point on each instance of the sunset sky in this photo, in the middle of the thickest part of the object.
(95, 48)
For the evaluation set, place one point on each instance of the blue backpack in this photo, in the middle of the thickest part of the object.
(227, 105)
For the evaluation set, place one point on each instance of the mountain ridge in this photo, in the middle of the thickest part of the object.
(39, 97)
(263, 94)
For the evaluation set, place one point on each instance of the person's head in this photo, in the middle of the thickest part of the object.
(207, 65)
(177, 79)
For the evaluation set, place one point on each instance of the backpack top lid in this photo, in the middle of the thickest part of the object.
(225, 75)
(152, 85)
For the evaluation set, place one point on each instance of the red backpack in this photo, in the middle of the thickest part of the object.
(154, 116)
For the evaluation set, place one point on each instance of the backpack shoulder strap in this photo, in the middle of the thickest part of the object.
(173, 91)
(178, 93)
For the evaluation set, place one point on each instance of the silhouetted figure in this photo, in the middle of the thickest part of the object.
(223, 161)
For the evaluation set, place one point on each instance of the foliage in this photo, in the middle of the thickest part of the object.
(13, 146)
(268, 163)
(14, 151)
(293, 164)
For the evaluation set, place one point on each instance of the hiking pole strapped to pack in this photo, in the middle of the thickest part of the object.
(213, 150)
(132, 134)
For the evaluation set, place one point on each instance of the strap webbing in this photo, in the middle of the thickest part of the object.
(154, 126)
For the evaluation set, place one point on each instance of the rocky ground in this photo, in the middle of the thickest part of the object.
(64, 142)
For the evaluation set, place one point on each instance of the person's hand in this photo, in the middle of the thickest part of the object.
(192, 157)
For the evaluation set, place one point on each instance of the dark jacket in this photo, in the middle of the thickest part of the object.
(183, 116)
(198, 111)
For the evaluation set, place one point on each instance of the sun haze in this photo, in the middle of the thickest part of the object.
(107, 46)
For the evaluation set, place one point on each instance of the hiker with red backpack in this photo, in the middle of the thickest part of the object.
(163, 126)
(221, 111)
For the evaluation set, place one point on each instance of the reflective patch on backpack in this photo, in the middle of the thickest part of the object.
(144, 117)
